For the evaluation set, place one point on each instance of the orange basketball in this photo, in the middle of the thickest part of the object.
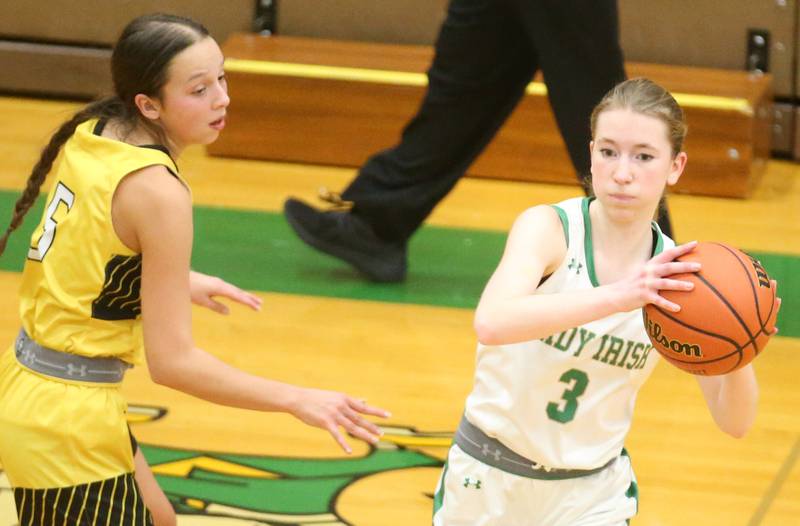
(724, 322)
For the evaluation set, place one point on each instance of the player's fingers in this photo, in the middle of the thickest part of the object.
(363, 434)
(360, 421)
(679, 267)
(333, 429)
(359, 432)
(662, 302)
(362, 407)
(674, 252)
(673, 284)
(245, 298)
(254, 302)
(778, 302)
(240, 296)
(217, 306)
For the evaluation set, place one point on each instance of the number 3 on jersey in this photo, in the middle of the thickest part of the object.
(61, 195)
(564, 410)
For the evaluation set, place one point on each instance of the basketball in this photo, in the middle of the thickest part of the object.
(724, 322)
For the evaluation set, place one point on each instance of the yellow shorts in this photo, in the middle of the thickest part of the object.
(55, 433)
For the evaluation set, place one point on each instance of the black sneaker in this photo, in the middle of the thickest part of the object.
(348, 237)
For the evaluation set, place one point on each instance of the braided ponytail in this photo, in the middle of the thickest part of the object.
(105, 108)
(139, 64)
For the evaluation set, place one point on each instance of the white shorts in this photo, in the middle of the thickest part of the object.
(471, 493)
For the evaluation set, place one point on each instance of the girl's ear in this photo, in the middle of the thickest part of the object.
(148, 107)
(676, 168)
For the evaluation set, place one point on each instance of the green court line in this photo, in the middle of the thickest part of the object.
(448, 266)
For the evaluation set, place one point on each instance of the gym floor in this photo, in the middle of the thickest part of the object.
(410, 348)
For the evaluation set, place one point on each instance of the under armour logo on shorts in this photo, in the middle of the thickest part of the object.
(27, 356)
(76, 371)
(475, 483)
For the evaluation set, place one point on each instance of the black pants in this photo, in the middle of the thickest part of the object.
(487, 52)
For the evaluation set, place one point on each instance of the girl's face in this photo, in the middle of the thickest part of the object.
(632, 162)
(192, 105)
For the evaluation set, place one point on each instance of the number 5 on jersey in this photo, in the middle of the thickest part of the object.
(61, 195)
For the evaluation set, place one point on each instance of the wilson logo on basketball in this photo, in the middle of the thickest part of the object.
(687, 349)
(763, 278)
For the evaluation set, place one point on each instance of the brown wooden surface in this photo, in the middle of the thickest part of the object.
(342, 123)
(63, 48)
(416, 59)
(697, 33)
(99, 22)
(47, 68)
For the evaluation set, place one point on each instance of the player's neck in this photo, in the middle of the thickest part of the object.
(137, 135)
(619, 246)
(620, 231)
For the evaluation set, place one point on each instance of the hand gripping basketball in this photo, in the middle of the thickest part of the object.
(724, 321)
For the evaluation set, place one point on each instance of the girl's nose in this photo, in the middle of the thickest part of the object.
(622, 172)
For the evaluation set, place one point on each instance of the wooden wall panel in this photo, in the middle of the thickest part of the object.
(63, 48)
(100, 21)
(307, 118)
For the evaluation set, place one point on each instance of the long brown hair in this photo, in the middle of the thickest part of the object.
(644, 96)
(139, 64)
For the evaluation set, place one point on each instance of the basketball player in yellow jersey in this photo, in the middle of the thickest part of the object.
(107, 279)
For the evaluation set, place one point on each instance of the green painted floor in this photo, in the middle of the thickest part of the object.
(448, 266)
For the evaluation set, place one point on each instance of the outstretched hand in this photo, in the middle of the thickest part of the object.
(643, 286)
(330, 410)
(205, 288)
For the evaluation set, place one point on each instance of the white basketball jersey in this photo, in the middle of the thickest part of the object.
(566, 401)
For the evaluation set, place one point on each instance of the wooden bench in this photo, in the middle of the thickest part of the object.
(334, 102)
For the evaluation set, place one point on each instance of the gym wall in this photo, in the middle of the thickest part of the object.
(61, 47)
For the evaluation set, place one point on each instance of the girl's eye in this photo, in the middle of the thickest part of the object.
(606, 152)
(645, 157)
(200, 90)
(222, 78)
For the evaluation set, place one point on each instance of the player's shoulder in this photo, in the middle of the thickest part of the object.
(538, 217)
(152, 188)
(538, 233)
(551, 220)
(154, 179)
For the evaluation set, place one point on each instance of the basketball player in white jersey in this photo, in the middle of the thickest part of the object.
(562, 346)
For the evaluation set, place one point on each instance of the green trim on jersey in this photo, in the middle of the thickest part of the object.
(438, 498)
(633, 489)
(588, 246)
(659, 248)
(562, 215)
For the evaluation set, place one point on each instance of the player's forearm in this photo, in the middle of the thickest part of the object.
(200, 374)
(538, 316)
(732, 400)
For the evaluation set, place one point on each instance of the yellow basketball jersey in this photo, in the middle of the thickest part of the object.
(80, 285)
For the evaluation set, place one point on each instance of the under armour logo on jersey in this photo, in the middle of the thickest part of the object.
(475, 483)
(486, 452)
(576, 265)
